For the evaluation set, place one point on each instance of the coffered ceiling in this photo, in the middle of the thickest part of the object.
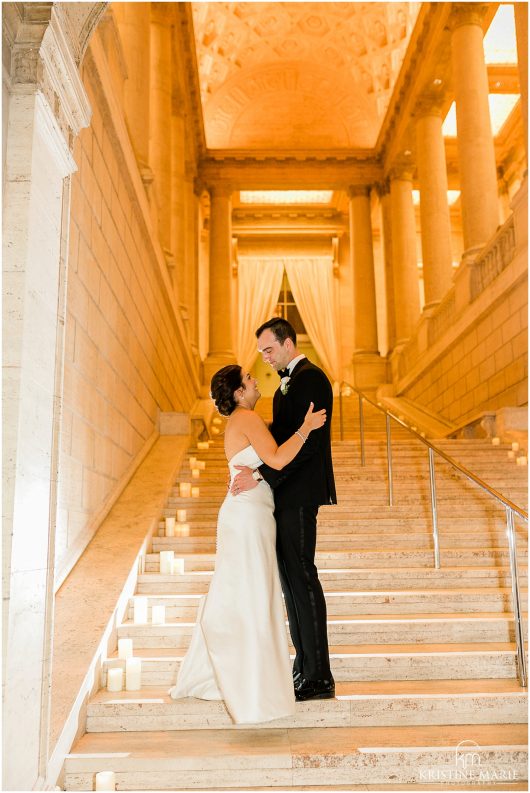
(298, 76)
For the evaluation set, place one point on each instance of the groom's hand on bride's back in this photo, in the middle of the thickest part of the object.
(243, 481)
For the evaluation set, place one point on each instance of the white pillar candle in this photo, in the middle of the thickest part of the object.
(496, 441)
(140, 610)
(114, 679)
(195, 492)
(159, 615)
(178, 567)
(181, 515)
(522, 460)
(215, 430)
(166, 560)
(106, 780)
(515, 446)
(125, 648)
(133, 674)
(203, 445)
(182, 530)
(193, 462)
(201, 465)
(170, 527)
(511, 455)
(185, 489)
(195, 473)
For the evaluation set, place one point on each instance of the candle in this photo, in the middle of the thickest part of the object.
(114, 679)
(515, 446)
(195, 491)
(201, 465)
(125, 648)
(140, 610)
(181, 515)
(215, 430)
(511, 455)
(166, 560)
(184, 489)
(203, 445)
(522, 460)
(193, 462)
(178, 567)
(159, 615)
(496, 441)
(195, 473)
(170, 527)
(133, 674)
(182, 529)
(106, 780)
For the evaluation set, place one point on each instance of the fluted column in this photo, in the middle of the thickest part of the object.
(434, 207)
(476, 153)
(160, 121)
(362, 253)
(404, 257)
(386, 223)
(221, 350)
(521, 31)
(133, 21)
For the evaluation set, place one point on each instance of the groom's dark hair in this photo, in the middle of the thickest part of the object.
(281, 329)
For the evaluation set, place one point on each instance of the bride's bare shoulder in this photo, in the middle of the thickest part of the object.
(244, 418)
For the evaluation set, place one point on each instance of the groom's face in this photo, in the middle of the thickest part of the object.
(273, 352)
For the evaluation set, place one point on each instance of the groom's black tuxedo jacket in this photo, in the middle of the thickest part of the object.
(307, 480)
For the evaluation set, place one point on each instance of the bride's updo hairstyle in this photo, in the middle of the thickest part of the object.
(224, 383)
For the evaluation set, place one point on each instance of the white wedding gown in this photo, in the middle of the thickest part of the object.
(239, 651)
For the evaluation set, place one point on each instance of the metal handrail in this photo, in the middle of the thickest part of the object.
(509, 506)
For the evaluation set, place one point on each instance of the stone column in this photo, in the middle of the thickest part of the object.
(521, 30)
(368, 368)
(178, 205)
(434, 208)
(133, 20)
(404, 257)
(192, 254)
(476, 153)
(160, 121)
(221, 349)
(47, 106)
(386, 222)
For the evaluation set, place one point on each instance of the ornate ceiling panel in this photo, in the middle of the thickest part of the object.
(298, 75)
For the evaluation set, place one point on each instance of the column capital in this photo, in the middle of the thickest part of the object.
(402, 171)
(467, 14)
(429, 104)
(220, 190)
(355, 190)
(382, 188)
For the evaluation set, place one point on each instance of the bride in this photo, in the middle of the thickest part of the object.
(239, 651)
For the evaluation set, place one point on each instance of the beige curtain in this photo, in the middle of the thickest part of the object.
(311, 281)
(259, 282)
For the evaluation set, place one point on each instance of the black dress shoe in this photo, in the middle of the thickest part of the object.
(297, 678)
(315, 689)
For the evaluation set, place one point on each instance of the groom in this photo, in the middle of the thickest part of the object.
(299, 489)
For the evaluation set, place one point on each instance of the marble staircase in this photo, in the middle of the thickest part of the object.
(424, 659)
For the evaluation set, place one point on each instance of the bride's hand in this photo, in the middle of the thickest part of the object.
(314, 419)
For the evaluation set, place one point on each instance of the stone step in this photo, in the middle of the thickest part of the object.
(423, 628)
(371, 704)
(336, 542)
(250, 758)
(459, 557)
(364, 662)
(441, 601)
(360, 579)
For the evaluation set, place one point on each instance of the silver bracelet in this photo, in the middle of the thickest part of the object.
(304, 437)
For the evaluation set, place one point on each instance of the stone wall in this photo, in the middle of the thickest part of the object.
(126, 355)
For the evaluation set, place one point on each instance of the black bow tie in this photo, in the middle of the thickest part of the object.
(283, 372)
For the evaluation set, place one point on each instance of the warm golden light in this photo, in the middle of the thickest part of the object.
(499, 42)
(501, 105)
(285, 196)
(452, 197)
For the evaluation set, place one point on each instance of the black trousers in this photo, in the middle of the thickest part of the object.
(306, 607)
